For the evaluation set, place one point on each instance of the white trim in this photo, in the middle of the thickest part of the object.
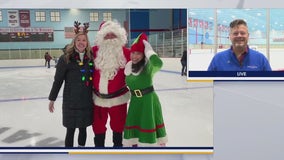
(135, 141)
(111, 101)
(149, 54)
(103, 84)
(128, 68)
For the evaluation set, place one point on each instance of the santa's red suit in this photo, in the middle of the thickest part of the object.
(110, 92)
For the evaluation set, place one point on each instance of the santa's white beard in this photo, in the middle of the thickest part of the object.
(110, 58)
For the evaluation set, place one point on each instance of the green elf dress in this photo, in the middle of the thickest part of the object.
(144, 123)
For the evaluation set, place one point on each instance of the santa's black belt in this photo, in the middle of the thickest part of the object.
(142, 92)
(111, 95)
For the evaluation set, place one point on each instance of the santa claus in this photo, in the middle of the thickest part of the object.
(110, 92)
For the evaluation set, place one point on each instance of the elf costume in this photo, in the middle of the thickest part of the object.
(144, 123)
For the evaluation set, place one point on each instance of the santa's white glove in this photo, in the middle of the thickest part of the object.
(148, 49)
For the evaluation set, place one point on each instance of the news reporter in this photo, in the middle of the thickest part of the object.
(239, 57)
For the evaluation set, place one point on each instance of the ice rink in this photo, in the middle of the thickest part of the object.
(26, 121)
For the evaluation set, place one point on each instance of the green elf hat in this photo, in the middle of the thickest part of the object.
(138, 45)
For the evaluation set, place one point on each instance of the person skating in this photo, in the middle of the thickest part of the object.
(47, 58)
(183, 62)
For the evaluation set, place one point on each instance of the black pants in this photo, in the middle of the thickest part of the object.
(69, 138)
(48, 64)
(183, 70)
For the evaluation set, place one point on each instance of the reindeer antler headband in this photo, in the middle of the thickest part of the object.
(86, 26)
(77, 27)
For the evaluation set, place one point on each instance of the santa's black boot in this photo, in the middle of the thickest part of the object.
(99, 140)
(117, 139)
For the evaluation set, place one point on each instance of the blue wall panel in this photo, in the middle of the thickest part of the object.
(179, 18)
(139, 21)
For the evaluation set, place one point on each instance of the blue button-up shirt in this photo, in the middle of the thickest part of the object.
(227, 61)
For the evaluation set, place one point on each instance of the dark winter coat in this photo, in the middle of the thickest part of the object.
(47, 57)
(77, 104)
(183, 59)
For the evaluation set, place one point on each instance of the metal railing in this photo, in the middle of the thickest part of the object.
(166, 44)
(37, 53)
(169, 44)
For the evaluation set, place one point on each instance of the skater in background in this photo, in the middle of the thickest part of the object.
(75, 69)
(239, 57)
(55, 60)
(144, 123)
(183, 62)
(110, 92)
(47, 58)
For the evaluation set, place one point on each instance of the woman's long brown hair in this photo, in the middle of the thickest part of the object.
(71, 48)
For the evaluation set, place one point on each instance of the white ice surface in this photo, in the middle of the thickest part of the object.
(187, 107)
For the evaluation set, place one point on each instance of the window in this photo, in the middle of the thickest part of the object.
(55, 16)
(94, 16)
(107, 16)
(40, 16)
(1, 18)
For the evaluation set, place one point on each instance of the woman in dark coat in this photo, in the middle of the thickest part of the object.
(75, 69)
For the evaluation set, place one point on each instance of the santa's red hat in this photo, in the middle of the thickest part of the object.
(101, 25)
(138, 45)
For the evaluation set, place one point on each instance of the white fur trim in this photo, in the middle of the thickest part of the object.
(129, 142)
(148, 144)
(114, 27)
(103, 84)
(160, 142)
(133, 141)
(111, 101)
(163, 140)
(128, 68)
(149, 54)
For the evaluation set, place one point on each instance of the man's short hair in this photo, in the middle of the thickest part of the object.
(237, 22)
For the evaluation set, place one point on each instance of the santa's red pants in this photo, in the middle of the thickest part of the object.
(117, 116)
